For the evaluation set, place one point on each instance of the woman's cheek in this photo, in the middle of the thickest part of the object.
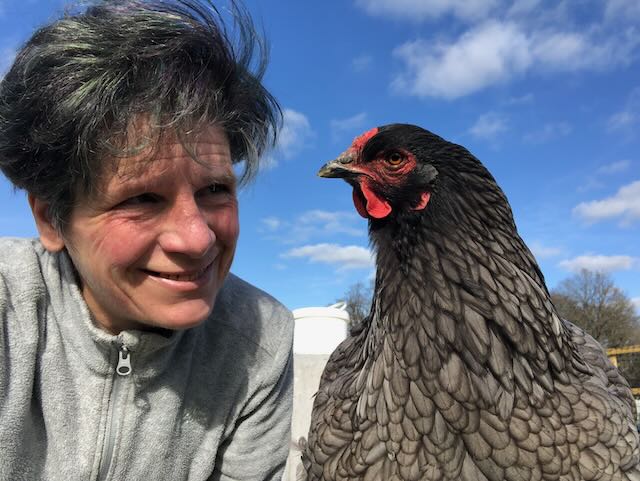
(226, 225)
(124, 244)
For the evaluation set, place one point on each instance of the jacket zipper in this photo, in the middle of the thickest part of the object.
(123, 369)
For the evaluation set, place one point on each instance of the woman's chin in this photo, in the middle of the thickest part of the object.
(184, 315)
(185, 318)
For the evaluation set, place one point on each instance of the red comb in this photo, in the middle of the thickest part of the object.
(360, 141)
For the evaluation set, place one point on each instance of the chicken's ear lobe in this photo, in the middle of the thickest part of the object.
(424, 200)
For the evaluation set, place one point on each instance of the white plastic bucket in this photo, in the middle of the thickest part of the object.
(319, 330)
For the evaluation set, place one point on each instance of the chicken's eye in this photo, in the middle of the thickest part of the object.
(395, 158)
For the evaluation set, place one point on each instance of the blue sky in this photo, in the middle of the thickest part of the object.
(546, 94)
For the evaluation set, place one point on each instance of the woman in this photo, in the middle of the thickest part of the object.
(128, 351)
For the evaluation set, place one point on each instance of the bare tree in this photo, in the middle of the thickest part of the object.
(592, 301)
(358, 298)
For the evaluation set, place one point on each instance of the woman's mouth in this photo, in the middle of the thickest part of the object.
(185, 276)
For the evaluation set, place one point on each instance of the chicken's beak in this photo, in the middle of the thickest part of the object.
(341, 167)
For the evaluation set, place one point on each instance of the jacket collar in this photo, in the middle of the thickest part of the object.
(150, 351)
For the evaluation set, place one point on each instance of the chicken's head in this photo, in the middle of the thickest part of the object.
(388, 170)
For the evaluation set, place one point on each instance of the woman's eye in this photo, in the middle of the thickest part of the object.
(216, 189)
(146, 198)
(395, 158)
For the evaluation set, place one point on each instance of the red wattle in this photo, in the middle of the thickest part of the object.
(376, 207)
(357, 201)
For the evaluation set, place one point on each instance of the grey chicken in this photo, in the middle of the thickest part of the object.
(463, 369)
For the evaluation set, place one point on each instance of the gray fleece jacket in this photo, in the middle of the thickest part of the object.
(208, 403)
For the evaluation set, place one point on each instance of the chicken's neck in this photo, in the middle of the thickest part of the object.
(482, 298)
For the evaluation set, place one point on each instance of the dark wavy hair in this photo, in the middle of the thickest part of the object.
(78, 84)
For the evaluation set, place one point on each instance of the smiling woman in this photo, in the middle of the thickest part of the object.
(128, 349)
(155, 241)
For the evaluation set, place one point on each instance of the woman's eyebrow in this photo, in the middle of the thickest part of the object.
(224, 178)
(132, 183)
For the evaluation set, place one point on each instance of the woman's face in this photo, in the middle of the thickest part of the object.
(154, 244)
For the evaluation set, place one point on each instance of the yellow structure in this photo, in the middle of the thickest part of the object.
(613, 354)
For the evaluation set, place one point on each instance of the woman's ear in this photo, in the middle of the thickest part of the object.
(49, 235)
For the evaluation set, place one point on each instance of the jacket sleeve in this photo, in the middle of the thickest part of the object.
(4, 350)
(258, 446)
(21, 304)
(20, 292)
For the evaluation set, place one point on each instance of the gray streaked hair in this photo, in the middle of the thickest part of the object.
(78, 83)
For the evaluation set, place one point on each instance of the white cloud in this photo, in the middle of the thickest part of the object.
(615, 167)
(622, 9)
(590, 184)
(331, 222)
(523, 99)
(293, 137)
(594, 49)
(548, 132)
(522, 7)
(486, 55)
(343, 257)
(571, 51)
(561, 50)
(595, 181)
(494, 52)
(544, 252)
(340, 126)
(417, 10)
(362, 63)
(625, 204)
(312, 224)
(600, 263)
(622, 120)
(489, 125)
(271, 223)
(627, 119)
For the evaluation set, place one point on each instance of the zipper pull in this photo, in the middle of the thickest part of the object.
(124, 362)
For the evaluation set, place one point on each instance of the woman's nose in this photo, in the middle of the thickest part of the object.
(186, 229)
